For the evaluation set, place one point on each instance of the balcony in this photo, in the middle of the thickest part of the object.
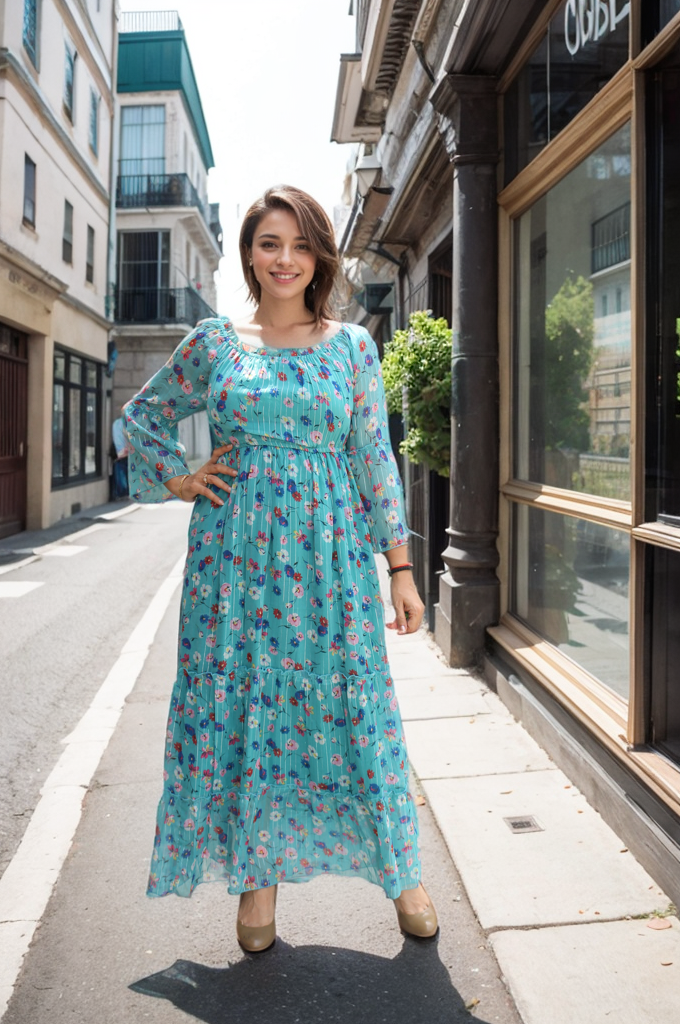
(160, 306)
(148, 190)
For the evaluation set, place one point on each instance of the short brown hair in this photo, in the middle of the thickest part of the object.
(316, 228)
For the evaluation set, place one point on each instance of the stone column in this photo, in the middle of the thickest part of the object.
(467, 115)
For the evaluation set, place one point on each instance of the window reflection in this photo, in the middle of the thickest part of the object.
(571, 586)
(585, 44)
(572, 378)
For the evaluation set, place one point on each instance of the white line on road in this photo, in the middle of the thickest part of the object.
(31, 875)
(17, 588)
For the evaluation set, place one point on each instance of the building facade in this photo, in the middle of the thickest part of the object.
(56, 112)
(533, 147)
(169, 239)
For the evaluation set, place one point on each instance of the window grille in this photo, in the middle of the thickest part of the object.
(611, 239)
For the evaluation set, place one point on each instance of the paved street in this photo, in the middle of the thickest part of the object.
(104, 952)
(60, 639)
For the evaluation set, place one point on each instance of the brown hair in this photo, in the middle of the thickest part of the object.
(316, 228)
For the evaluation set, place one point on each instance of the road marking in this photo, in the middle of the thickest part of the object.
(65, 551)
(31, 875)
(17, 588)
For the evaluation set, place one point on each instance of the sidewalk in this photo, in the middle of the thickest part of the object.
(563, 912)
(570, 915)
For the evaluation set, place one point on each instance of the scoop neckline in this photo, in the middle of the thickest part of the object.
(269, 350)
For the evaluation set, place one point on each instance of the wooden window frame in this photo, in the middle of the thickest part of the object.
(620, 725)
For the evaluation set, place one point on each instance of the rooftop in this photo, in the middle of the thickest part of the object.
(150, 21)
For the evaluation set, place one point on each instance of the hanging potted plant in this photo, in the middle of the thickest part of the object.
(417, 368)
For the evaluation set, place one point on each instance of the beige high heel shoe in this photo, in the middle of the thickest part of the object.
(257, 938)
(422, 925)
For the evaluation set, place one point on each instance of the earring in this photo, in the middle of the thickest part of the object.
(250, 262)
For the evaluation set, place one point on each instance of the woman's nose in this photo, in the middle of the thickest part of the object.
(285, 255)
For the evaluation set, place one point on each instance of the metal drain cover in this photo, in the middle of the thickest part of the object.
(524, 823)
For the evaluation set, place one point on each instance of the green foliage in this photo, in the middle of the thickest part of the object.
(569, 335)
(419, 359)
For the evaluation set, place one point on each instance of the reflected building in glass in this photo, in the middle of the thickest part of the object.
(537, 147)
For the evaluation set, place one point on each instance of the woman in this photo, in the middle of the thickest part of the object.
(285, 755)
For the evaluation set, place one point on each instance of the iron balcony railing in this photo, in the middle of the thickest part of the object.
(160, 306)
(144, 190)
(150, 21)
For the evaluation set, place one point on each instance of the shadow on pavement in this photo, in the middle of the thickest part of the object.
(315, 984)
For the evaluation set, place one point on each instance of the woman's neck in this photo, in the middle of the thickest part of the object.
(282, 314)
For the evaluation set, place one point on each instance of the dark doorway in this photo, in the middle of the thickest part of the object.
(13, 429)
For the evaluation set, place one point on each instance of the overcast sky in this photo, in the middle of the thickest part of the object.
(267, 72)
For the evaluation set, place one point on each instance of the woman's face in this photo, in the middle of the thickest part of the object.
(283, 262)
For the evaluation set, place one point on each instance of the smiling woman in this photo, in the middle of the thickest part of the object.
(285, 753)
(285, 238)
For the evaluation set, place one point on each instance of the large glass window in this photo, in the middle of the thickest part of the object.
(570, 584)
(585, 44)
(572, 328)
(76, 418)
(663, 315)
(143, 275)
(663, 601)
(655, 15)
(142, 141)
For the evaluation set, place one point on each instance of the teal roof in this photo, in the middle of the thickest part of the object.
(160, 62)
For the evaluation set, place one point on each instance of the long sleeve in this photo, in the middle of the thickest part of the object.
(372, 460)
(179, 389)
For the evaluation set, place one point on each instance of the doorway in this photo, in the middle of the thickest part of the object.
(13, 429)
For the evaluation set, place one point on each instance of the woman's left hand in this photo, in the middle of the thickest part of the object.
(407, 604)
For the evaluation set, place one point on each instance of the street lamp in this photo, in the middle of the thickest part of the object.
(367, 171)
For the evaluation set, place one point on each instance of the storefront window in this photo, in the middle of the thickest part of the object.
(570, 584)
(663, 318)
(655, 15)
(572, 329)
(663, 578)
(76, 418)
(585, 44)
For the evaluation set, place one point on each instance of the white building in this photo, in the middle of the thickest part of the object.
(56, 112)
(169, 239)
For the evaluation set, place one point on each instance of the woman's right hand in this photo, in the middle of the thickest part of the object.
(197, 483)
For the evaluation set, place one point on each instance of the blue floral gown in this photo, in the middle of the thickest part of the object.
(285, 755)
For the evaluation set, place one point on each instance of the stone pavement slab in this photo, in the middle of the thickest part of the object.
(443, 697)
(485, 744)
(573, 871)
(618, 972)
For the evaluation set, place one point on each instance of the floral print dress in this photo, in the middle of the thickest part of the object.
(285, 755)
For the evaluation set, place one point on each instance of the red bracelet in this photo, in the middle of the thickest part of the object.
(399, 568)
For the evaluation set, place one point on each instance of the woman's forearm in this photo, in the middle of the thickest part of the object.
(397, 556)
